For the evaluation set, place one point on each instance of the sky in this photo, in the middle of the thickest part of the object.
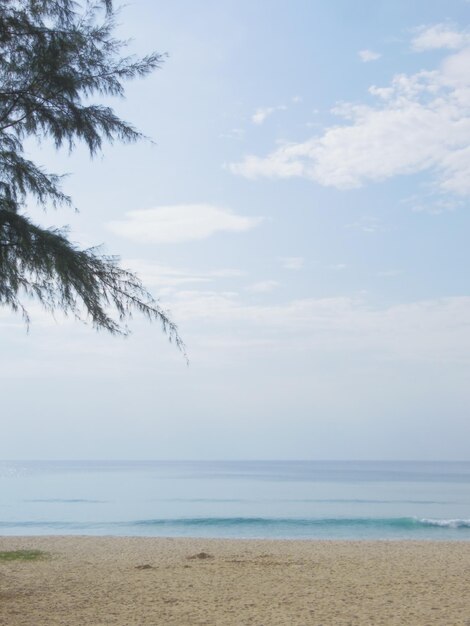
(302, 213)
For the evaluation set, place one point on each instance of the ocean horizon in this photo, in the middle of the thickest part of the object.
(238, 499)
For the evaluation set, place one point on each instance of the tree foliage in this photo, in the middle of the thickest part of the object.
(56, 57)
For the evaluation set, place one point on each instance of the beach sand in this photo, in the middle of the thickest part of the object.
(101, 581)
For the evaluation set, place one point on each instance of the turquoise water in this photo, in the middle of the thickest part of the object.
(268, 499)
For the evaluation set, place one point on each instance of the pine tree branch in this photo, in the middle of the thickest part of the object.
(44, 263)
(53, 59)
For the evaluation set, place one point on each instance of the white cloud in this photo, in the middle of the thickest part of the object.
(260, 115)
(427, 203)
(419, 122)
(368, 55)
(154, 274)
(439, 36)
(430, 330)
(297, 99)
(234, 133)
(367, 225)
(292, 262)
(264, 286)
(180, 222)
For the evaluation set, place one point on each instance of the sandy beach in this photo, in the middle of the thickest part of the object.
(151, 581)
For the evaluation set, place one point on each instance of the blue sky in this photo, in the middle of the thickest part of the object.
(303, 214)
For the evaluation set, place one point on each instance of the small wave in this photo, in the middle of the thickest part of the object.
(294, 500)
(403, 523)
(208, 500)
(55, 525)
(257, 526)
(446, 523)
(66, 501)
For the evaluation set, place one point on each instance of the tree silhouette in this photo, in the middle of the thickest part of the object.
(56, 56)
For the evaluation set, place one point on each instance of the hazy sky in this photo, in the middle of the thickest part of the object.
(304, 216)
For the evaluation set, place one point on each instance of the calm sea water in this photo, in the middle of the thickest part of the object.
(271, 499)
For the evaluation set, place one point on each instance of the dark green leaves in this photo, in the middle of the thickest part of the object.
(55, 57)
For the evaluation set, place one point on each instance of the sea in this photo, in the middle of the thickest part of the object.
(356, 500)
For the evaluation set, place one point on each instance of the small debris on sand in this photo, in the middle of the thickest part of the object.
(201, 555)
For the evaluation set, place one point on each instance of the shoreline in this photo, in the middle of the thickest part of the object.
(199, 538)
(140, 581)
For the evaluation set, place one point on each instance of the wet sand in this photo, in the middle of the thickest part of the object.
(103, 581)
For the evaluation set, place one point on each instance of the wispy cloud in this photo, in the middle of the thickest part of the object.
(264, 286)
(262, 113)
(155, 274)
(367, 225)
(426, 330)
(292, 262)
(432, 331)
(180, 222)
(234, 133)
(430, 203)
(419, 122)
(368, 55)
(439, 36)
